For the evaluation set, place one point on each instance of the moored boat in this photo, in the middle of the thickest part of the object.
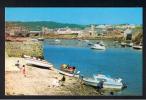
(139, 47)
(123, 44)
(40, 39)
(129, 44)
(57, 40)
(98, 47)
(69, 70)
(104, 82)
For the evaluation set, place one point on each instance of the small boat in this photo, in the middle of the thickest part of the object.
(129, 44)
(90, 43)
(38, 62)
(86, 40)
(98, 47)
(138, 47)
(34, 40)
(57, 40)
(69, 70)
(25, 56)
(40, 39)
(107, 82)
(123, 44)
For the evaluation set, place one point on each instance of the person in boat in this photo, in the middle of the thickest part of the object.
(71, 69)
(64, 66)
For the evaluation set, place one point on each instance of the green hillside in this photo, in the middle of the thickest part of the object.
(39, 24)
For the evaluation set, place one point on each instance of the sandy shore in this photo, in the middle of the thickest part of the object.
(39, 81)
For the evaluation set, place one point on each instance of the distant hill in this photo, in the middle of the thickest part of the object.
(50, 24)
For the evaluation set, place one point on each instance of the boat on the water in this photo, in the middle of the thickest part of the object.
(57, 40)
(98, 46)
(104, 82)
(69, 70)
(86, 40)
(129, 44)
(38, 62)
(123, 44)
(138, 47)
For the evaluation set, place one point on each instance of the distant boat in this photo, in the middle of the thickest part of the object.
(57, 40)
(138, 47)
(40, 39)
(129, 44)
(38, 62)
(86, 40)
(105, 82)
(123, 44)
(98, 46)
(90, 43)
(34, 40)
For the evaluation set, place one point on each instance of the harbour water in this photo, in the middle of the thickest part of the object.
(115, 61)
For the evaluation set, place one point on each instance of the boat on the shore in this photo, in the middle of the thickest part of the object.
(98, 46)
(104, 82)
(40, 39)
(38, 62)
(69, 70)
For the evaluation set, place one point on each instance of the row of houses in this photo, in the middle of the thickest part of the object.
(90, 31)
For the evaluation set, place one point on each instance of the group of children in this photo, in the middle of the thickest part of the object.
(22, 69)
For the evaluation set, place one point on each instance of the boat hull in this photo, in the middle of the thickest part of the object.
(98, 48)
(38, 63)
(68, 74)
(137, 47)
(90, 82)
(111, 86)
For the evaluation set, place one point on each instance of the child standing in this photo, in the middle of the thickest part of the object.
(23, 70)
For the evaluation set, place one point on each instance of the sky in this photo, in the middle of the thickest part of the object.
(75, 15)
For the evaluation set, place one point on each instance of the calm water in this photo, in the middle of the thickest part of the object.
(114, 61)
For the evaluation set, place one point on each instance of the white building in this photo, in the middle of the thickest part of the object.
(127, 32)
(68, 31)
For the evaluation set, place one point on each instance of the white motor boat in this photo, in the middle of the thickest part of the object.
(139, 47)
(98, 47)
(57, 40)
(38, 62)
(86, 40)
(40, 39)
(123, 44)
(130, 44)
(107, 82)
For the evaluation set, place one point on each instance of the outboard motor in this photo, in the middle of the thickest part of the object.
(100, 85)
(124, 85)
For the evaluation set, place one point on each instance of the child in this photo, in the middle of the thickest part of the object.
(23, 70)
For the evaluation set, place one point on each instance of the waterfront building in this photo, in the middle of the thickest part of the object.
(127, 34)
(68, 31)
